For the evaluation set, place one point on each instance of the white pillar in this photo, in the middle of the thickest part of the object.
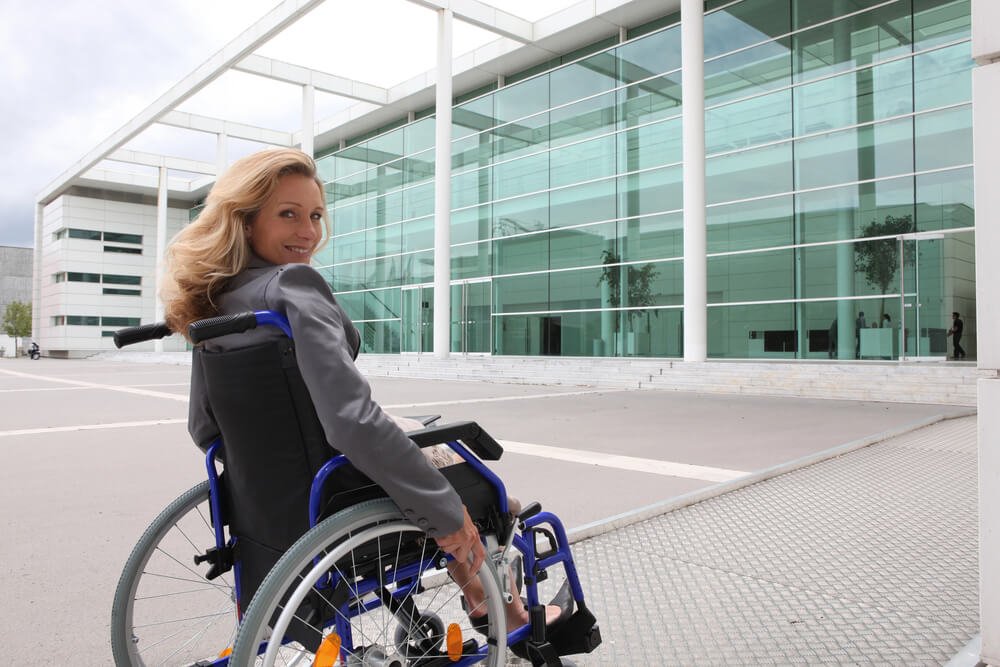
(693, 122)
(986, 141)
(308, 118)
(161, 246)
(221, 153)
(36, 278)
(442, 189)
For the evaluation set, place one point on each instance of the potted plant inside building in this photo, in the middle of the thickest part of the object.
(637, 294)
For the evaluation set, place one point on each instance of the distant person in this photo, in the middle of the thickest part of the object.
(886, 321)
(832, 340)
(956, 335)
(859, 324)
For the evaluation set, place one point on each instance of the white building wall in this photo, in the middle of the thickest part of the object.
(63, 255)
(986, 132)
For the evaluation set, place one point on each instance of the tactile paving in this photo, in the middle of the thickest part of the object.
(868, 558)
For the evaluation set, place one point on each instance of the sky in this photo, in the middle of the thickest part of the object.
(73, 72)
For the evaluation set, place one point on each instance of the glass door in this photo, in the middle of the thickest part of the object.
(471, 316)
(418, 319)
(924, 328)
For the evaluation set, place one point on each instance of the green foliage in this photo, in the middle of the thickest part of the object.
(639, 282)
(878, 259)
(17, 319)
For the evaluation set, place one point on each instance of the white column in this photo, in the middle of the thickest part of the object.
(221, 153)
(442, 189)
(36, 278)
(161, 246)
(308, 118)
(986, 141)
(693, 122)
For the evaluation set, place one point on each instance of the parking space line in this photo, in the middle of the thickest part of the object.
(652, 466)
(94, 385)
(90, 427)
(18, 391)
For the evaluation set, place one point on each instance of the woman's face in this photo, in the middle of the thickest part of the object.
(289, 225)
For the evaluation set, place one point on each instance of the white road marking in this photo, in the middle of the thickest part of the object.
(90, 427)
(18, 391)
(110, 387)
(652, 466)
(498, 399)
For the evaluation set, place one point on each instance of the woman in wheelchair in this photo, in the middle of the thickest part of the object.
(249, 250)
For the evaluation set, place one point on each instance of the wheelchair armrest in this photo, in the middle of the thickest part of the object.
(471, 433)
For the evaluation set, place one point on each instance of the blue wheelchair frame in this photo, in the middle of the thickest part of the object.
(527, 547)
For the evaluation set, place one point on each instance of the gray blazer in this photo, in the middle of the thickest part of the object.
(326, 343)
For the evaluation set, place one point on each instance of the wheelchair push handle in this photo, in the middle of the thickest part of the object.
(139, 334)
(214, 327)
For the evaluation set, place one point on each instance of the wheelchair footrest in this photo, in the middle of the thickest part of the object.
(578, 634)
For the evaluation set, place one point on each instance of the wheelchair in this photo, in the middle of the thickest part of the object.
(228, 577)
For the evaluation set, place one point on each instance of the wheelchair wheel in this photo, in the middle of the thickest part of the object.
(370, 583)
(165, 612)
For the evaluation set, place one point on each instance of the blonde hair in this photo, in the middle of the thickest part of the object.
(212, 249)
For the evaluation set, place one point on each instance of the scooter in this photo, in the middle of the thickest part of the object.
(34, 352)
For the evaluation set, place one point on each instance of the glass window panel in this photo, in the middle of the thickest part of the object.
(349, 218)
(471, 260)
(348, 248)
(522, 214)
(382, 304)
(471, 224)
(745, 23)
(470, 188)
(758, 276)
(652, 237)
(418, 167)
(651, 100)
(115, 237)
(418, 201)
(418, 234)
(521, 138)
(518, 294)
(751, 72)
(386, 147)
(348, 277)
(471, 117)
(852, 98)
(418, 136)
(759, 120)
(753, 173)
(651, 191)
(808, 13)
(521, 176)
(349, 161)
(944, 200)
(584, 119)
(417, 267)
(590, 76)
(383, 240)
(583, 246)
(937, 22)
(520, 254)
(353, 304)
(652, 145)
(650, 284)
(943, 77)
(750, 225)
(380, 337)
(475, 150)
(122, 280)
(88, 234)
(571, 290)
(583, 161)
(325, 168)
(650, 55)
(838, 214)
(517, 334)
(752, 332)
(579, 204)
(515, 102)
(944, 138)
(854, 41)
(384, 272)
(870, 151)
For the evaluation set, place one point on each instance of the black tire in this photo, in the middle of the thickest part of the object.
(346, 543)
(164, 610)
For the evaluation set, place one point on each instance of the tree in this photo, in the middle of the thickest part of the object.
(17, 321)
(879, 259)
(639, 282)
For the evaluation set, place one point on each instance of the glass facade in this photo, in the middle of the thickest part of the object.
(838, 181)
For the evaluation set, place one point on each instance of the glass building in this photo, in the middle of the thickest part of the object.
(838, 182)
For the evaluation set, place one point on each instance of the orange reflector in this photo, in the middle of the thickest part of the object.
(454, 641)
(226, 652)
(329, 651)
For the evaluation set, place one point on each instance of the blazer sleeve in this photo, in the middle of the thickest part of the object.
(201, 421)
(354, 423)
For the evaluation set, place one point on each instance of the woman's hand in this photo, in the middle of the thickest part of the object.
(463, 543)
